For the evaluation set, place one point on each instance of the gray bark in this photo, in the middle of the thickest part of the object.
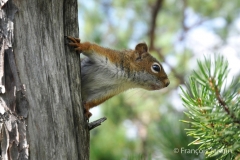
(43, 114)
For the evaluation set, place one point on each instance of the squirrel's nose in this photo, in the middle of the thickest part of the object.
(166, 82)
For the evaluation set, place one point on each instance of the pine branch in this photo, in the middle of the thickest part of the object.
(213, 112)
(212, 83)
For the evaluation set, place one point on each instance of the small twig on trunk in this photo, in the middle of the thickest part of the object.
(96, 123)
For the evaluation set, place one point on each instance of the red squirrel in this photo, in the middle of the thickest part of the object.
(106, 72)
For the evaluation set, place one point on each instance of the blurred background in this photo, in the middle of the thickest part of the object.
(142, 124)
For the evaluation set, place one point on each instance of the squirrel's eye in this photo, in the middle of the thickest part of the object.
(156, 68)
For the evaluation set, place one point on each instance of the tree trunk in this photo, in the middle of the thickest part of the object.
(41, 114)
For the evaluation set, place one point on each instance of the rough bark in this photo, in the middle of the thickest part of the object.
(42, 113)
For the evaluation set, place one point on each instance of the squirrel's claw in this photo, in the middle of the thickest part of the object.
(78, 49)
(75, 42)
(88, 114)
(86, 111)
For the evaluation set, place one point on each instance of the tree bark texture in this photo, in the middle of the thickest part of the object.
(41, 114)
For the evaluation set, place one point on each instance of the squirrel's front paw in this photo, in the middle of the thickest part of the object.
(75, 42)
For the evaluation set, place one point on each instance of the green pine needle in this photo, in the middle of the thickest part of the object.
(213, 110)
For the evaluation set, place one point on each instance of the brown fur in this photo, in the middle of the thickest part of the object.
(134, 61)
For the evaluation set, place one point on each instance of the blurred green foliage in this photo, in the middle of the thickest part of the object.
(143, 124)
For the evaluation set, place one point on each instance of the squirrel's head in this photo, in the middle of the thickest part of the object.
(147, 69)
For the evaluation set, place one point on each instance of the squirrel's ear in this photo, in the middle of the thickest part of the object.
(141, 48)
